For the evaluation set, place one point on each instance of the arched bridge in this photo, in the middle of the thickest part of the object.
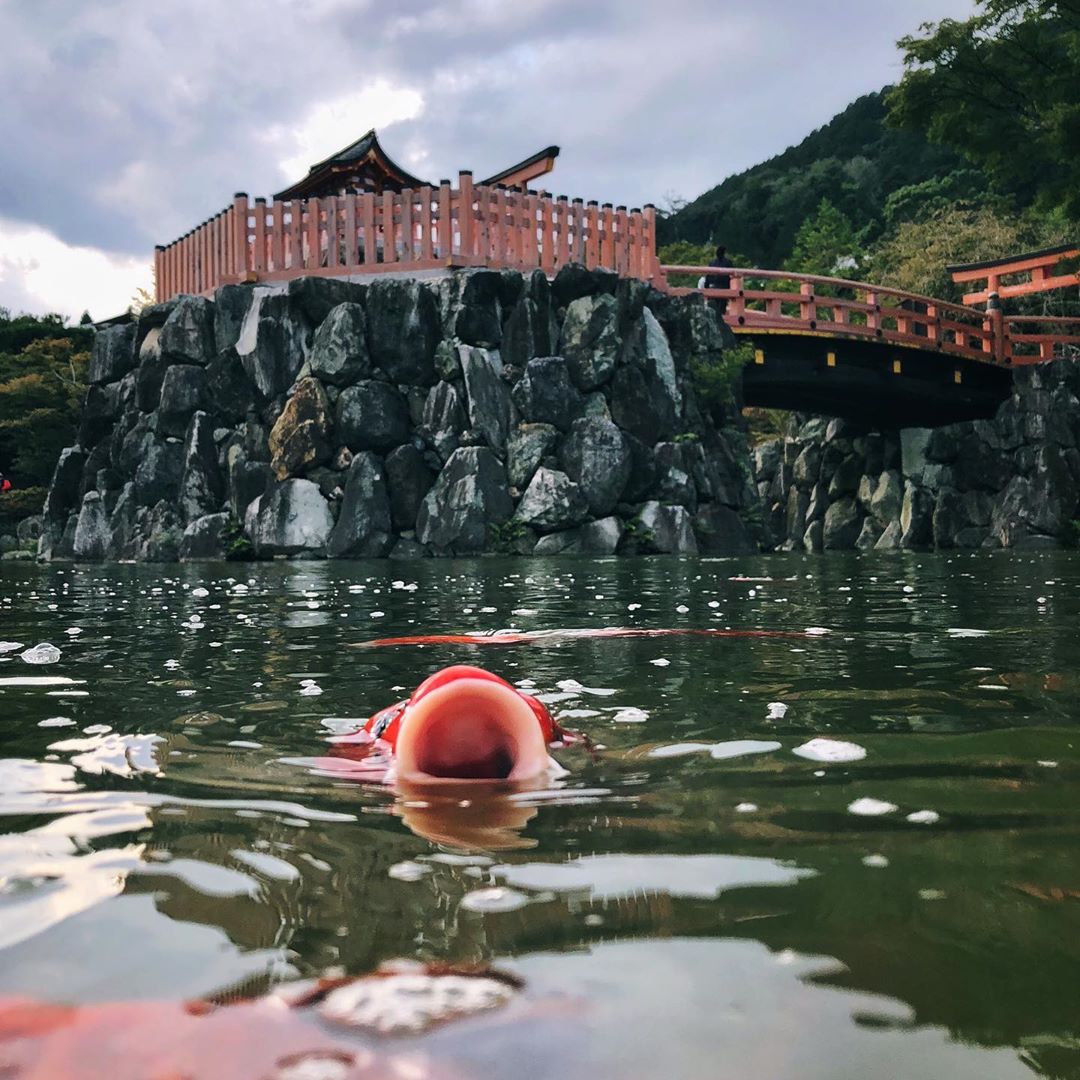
(880, 356)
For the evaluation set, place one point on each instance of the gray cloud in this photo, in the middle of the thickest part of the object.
(126, 123)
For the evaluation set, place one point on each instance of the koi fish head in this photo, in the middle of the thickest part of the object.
(463, 723)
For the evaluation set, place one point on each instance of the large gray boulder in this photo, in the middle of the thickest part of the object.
(596, 455)
(372, 416)
(888, 498)
(188, 334)
(590, 340)
(157, 476)
(403, 328)
(113, 354)
(444, 418)
(490, 409)
(101, 406)
(363, 528)
(124, 524)
(160, 535)
(92, 531)
(311, 299)
(719, 531)
(916, 517)
(594, 538)
(843, 524)
(639, 407)
(293, 518)
(545, 394)
(526, 448)
(201, 488)
(469, 496)
(271, 346)
(339, 352)
(659, 362)
(474, 307)
(300, 438)
(204, 538)
(551, 502)
(667, 530)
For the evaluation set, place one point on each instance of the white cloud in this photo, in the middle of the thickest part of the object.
(40, 273)
(331, 125)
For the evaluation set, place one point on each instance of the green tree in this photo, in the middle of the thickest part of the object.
(827, 243)
(1003, 89)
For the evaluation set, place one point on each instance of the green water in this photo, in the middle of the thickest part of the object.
(674, 910)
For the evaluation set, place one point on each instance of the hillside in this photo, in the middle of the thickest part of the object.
(855, 161)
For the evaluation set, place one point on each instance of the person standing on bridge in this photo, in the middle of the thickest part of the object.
(718, 281)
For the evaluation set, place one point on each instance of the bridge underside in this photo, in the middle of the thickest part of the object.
(877, 385)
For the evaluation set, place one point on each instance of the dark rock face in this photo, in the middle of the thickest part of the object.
(363, 528)
(403, 329)
(488, 396)
(372, 416)
(469, 496)
(204, 538)
(339, 352)
(326, 418)
(113, 354)
(545, 394)
(188, 334)
(300, 438)
(590, 340)
(596, 455)
(409, 479)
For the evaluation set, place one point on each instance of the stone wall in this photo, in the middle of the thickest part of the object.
(1012, 481)
(484, 411)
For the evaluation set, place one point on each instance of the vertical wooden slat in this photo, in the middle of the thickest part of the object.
(407, 234)
(427, 224)
(260, 236)
(547, 235)
(622, 246)
(592, 234)
(295, 240)
(350, 230)
(482, 195)
(333, 232)
(389, 238)
(240, 235)
(466, 220)
(873, 319)
(311, 233)
(562, 245)
(931, 323)
(446, 221)
(159, 273)
(367, 223)
(648, 243)
(607, 248)
(226, 245)
(500, 240)
(514, 226)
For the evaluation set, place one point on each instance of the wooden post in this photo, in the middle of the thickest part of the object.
(367, 225)
(159, 273)
(226, 245)
(622, 248)
(806, 302)
(407, 234)
(873, 321)
(311, 233)
(446, 221)
(277, 237)
(240, 235)
(500, 239)
(515, 227)
(995, 326)
(466, 220)
(333, 232)
(648, 242)
(735, 311)
(426, 224)
(389, 235)
(607, 236)
(547, 235)
(562, 246)
(260, 236)
(592, 234)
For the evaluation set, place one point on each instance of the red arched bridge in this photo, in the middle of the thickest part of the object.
(821, 344)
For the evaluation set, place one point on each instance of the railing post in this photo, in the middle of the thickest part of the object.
(446, 221)
(466, 220)
(648, 239)
(806, 302)
(240, 233)
(159, 272)
(995, 325)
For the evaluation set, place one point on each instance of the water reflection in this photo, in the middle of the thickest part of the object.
(163, 837)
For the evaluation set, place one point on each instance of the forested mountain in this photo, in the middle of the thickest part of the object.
(864, 168)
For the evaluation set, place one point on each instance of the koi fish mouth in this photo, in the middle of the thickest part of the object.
(471, 729)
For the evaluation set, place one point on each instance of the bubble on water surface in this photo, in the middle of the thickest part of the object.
(309, 688)
(833, 751)
(741, 748)
(412, 1002)
(630, 715)
(746, 808)
(43, 680)
(965, 632)
(41, 654)
(408, 871)
(10, 646)
(924, 817)
(660, 662)
(867, 807)
(117, 755)
(1047, 764)
(200, 591)
(777, 710)
(73, 631)
(56, 721)
(816, 631)
(497, 898)
(679, 749)
(877, 861)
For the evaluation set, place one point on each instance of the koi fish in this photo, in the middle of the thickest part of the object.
(462, 723)
(532, 637)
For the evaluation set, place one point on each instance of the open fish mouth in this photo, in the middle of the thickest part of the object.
(471, 729)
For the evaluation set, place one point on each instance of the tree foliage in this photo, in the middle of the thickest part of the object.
(1003, 89)
(827, 243)
(42, 385)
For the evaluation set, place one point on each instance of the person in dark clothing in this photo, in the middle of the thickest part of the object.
(719, 281)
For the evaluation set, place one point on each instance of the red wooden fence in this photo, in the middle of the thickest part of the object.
(429, 228)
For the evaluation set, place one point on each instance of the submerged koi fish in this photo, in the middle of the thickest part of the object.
(529, 637)
(462, 723)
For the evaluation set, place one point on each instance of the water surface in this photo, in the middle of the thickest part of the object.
(695, 899)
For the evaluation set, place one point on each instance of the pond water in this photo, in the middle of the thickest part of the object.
(702, 896)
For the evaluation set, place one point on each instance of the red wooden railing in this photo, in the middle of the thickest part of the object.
(429, 228)
(1033, 339)
(1019, 275)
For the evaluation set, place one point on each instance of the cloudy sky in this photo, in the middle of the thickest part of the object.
(125, 122)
